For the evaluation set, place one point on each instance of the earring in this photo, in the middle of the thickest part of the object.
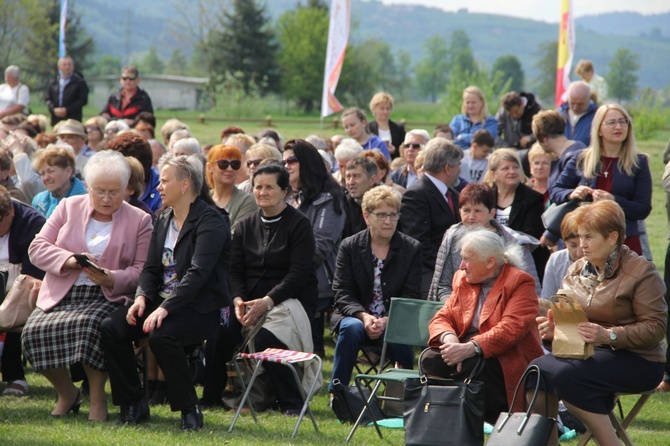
(183, 191)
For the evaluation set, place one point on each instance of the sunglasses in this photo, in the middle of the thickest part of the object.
(254, 163)
(128, 78)
(223, 164)
(290, 160)
(412, 146)
(92, 127)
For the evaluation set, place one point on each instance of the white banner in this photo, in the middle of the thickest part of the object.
(338, 36)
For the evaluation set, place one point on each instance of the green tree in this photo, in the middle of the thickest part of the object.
(177, 64)
(510, 67)
(622, 77)
(198, 62)
(151, 62)
(245, 44)
(303, 35)
(460, 53)
(545, 65)
(368, 68)
(106, 65)
(432, 72)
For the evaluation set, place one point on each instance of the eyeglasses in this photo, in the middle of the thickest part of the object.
(412, 146)
(128, 78)
(223, 164)
(290, 160)
(614, 122)
(99, 193)
(92, 127)
(382, 216)
(254, 163)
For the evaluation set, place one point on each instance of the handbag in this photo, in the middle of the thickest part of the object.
(348, 404)
(444, 411)
(553, 216)
(523, 428)
(19, 303)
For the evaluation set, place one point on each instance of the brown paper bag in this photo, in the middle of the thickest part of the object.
(567, 342)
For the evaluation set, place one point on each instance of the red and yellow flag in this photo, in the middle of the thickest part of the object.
(566, 49)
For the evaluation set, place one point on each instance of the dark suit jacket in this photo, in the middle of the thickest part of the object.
(75, 96)
(354, 274)
(425, 216)
(397, 134)
(202, 256)
(526, 212)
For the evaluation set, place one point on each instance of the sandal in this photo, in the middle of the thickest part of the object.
(16, 388)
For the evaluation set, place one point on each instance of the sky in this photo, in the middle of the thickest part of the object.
(545, 10)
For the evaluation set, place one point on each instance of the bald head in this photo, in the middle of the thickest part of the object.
(578, 97)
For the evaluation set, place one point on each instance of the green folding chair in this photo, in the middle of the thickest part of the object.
(408, 325)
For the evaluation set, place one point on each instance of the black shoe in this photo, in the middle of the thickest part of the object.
(74, 408)
(191, 420)
(135, 414)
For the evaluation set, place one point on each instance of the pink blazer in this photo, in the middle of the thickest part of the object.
(64, 234)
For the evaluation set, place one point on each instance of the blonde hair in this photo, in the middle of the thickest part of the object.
(381, 98)
(584, 66)
(588, 160)
(536, 151)
(484, 113)
(499, 156)
(379, 196)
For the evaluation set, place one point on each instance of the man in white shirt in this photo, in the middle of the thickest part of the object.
(14, 96)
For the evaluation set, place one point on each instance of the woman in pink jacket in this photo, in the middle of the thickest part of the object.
(114, 237)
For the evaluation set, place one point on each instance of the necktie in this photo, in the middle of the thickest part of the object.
(450, 201)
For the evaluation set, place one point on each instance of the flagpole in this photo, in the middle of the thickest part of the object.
(63, 21)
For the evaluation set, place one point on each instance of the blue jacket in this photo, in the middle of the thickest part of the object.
(375, 142)
(464, 129)
(632, 193)
(150, 196)
(582, 131)
(46, 203)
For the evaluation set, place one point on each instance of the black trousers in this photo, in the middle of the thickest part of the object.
(219, 350)
(495, 394)
(666, 278)
(178, 330)
(12, 369)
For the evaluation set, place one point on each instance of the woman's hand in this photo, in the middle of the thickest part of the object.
(70, 263)
(255, 309)
(546, 326)
(454, 354)
(238, 305)
(581, 193)
(600, 195)
(593, 333)
(99, 278)
(155, 319)
(136, 310)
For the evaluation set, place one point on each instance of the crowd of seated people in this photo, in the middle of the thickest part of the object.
(249, 231)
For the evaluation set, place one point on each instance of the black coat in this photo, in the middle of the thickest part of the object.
(75, 96)
(202, 256)
(397, 135)
(354, 223)
(138, 103)
(354, 274)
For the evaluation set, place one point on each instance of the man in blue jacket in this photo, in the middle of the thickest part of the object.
(579, 112)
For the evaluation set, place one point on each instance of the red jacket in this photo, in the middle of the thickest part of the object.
(507, 328)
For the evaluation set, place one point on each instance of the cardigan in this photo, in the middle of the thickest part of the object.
(239, 206)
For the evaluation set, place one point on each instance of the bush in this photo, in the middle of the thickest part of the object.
(229, 99)
(648, 114)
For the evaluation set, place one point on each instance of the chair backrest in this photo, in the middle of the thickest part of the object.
(408, 321)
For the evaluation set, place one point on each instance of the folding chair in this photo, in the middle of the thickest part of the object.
(621, 422)
(408, 325)
(287, 358)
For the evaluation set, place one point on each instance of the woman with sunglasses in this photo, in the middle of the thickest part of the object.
(223, 165)
(320, 198)
(94, 131)
(130, 100)
(611, 168)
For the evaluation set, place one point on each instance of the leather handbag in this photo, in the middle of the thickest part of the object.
(19, 303)
(553, 216)
(444, 411)
(523, 428)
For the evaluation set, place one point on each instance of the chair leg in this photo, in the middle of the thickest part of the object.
(244, 389)
(366, 407)
(306, 398)
(620, 430)
(246, 396)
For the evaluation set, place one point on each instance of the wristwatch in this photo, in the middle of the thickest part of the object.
(613, 338)
(478, 349)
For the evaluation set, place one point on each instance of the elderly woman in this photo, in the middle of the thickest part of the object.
(273, 277)
(186, 146)
(25, 177)
(255, 155)
(14, 96)
(622, 295)
(477, 206)
(355, 124)
(474, 116)
(373, 266)
(95, 128)
(92, 249)
(490, 314)
(610, 169)
(393, 134)
(182, 287)
(223, 164)
(129, 100)
(345, 151)
(517, 206)
(56, 167)
(540, 168)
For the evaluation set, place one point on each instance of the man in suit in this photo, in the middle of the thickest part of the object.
(67, 93)
(430, 206)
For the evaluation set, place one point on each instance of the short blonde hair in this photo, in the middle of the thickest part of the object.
(379, 99)
(584, 66)
(536, 151)
(379, 196)
(54, 155)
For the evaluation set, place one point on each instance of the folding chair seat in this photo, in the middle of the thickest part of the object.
(408, 325)
(621, 422)
(284, 357)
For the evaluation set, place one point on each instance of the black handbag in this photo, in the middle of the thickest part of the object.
(523, 428)
(553, 216)
(444, 411)
(348, 404)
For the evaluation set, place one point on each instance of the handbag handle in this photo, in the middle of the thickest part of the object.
(531, 369)
(476, 370)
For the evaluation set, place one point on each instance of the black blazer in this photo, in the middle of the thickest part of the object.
(202, 256)
(354, 274)
(397, 134)
(526, 212)
(75, 96)
(426, 216)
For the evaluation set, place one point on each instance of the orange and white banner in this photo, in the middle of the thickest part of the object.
(566, 49)
(338, 36)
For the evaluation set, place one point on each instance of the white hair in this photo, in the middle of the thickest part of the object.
(116, 126)
(107, 163)
(14, 70)
(317, 142)
(418, 132)
(349, 148)
(489, 244)
(187, 146)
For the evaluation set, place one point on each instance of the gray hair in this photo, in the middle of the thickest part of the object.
(317, 142)
(176, 136)
(264, 151)
(107, 163)
(579, 87)
(349, 148)
(438, 153)
(188, 145)
(14, 70)
(418, 132)
(186, 167)
(157, 143)
(116, 126)
(489, 244)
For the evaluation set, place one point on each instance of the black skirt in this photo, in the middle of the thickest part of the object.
(69, 332)
(591, 384)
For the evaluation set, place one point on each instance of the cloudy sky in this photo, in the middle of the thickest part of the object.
(547, 10)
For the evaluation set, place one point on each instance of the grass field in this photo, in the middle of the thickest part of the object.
(25, 421)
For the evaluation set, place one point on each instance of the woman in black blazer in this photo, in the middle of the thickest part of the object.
(372, 267)
(181, 289)
(381, 106)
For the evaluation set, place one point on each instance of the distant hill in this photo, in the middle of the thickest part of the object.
(131, 26)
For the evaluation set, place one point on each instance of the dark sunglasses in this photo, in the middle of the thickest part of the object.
(290, 160)
(128, 78)
(254, 163)
(223, 164)
(413, 146)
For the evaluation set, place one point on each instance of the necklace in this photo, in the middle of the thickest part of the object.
(605, 171)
